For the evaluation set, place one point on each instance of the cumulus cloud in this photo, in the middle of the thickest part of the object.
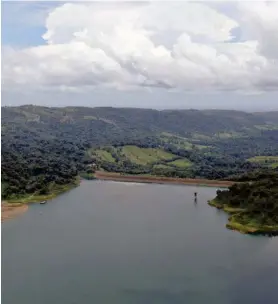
(172, 45)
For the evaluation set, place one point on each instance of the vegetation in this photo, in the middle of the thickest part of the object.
(253, 204)
(47, 148)
(38, 196)
(104, 155)
(182, 163)
(145, 156)
(86, 175)
(268, 161)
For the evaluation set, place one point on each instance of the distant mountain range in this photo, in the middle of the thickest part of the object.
(178, 121)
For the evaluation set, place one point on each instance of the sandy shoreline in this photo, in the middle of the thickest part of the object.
(9, 211)
(161, 180)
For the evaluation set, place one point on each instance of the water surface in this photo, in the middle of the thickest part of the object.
(109, 242)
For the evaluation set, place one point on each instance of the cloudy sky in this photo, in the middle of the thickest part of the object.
(141, 54)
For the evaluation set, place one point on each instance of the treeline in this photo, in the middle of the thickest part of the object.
(263, 143)
(256, 175)
(36, 167)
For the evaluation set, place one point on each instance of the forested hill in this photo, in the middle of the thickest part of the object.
(180, 122)
(44, 146)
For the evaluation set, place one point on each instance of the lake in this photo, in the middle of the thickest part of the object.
(109, 242)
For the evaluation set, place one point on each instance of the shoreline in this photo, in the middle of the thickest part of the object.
(36, 198)
(100, 175)
(234, 224)
(14, 207)
(9, 211)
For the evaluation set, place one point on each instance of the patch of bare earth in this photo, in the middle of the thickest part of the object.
(161, 180)
(9, 211)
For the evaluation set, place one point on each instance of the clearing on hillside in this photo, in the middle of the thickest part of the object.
(180, 142)
(161, 166)
(105, 156)
(270, 161)
(145, 156)
(182, 163)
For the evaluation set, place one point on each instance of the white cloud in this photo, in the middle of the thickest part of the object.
(127, 46)
(261, 20)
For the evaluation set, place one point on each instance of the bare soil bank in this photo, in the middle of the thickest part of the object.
(9, 211)
(161, 180)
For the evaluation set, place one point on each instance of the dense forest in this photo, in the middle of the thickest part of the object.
(253, 203)
(43, 147)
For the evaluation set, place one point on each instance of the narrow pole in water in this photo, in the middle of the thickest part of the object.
(195, 197)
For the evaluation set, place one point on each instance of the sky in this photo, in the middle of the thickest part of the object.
(168, 54)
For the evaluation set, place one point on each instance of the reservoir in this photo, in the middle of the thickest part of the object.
(127, 243)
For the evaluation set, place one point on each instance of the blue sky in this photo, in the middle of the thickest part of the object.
(23, 22)
(218, 76)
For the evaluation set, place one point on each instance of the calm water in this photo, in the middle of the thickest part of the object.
(108, 242)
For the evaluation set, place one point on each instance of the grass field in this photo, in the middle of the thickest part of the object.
(179, 141)
(161, 166)
(225, 135)
(189, 146)
(267, 127)
(263, 158)
(200, 136)
(105, 156)
(145, 156)
(89, 117)
(269, 161)
(181, 163)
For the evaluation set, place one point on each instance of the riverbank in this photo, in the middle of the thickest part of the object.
(9, 211)
(161, 180)
(18, 205)
(240, 220)
(35, 198)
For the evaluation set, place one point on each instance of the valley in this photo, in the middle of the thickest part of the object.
(44, 148)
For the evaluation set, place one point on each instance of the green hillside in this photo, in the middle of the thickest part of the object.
(104, 155)
(182, 163)
(143, 156)
(43, 146)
